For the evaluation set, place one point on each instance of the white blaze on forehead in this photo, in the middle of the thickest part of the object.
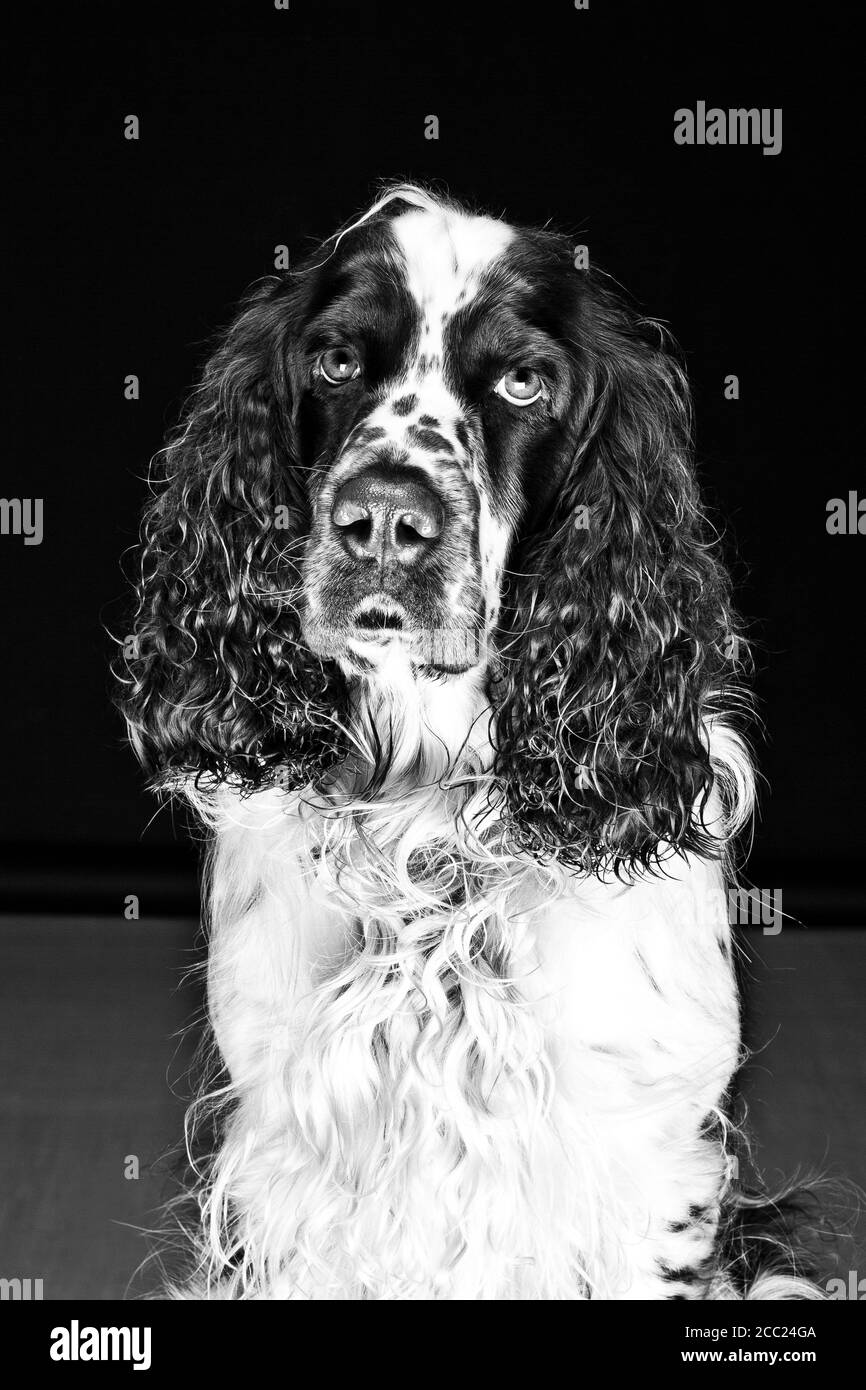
(445, 253)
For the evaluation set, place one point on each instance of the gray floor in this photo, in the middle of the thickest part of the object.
(90, 1055)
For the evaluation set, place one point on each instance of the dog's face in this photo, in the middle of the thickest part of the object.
(439, 443)
(432, 380)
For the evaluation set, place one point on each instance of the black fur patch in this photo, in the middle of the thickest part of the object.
(687, 1274)
(462, 435)
(429, 439)
(405, 405)
(369, 434)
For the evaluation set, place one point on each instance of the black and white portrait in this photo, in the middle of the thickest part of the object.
(432, 554)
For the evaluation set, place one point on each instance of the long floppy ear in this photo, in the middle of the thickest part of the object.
(216, 679)
(620, 627)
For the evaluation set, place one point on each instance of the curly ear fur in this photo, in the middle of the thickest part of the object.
(615, 649)
(218, 681)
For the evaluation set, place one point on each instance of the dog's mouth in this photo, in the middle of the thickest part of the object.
(378, 619)
(379, 628)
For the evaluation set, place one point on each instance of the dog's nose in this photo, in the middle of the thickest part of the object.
(384, 516)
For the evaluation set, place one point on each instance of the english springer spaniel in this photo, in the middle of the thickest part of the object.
(433, 633)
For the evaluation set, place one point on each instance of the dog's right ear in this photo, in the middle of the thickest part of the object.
(215, 678)
(618, 661)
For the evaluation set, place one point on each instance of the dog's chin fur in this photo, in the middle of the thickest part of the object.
(414, 1110)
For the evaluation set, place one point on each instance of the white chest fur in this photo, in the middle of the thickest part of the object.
(466, 1089)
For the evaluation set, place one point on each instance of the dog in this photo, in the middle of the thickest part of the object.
(434, 635)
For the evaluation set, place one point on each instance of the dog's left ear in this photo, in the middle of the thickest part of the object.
(215, 680)
(619, 626)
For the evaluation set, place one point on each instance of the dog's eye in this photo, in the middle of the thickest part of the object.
(339, 364)
(520, 387)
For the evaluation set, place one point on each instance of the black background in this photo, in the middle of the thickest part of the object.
(261, 127)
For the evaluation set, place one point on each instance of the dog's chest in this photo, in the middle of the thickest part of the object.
(452, 1094)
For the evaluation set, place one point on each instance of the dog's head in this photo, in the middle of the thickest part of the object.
(439, 443)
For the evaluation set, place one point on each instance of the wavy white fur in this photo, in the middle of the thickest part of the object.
(478, 1080)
